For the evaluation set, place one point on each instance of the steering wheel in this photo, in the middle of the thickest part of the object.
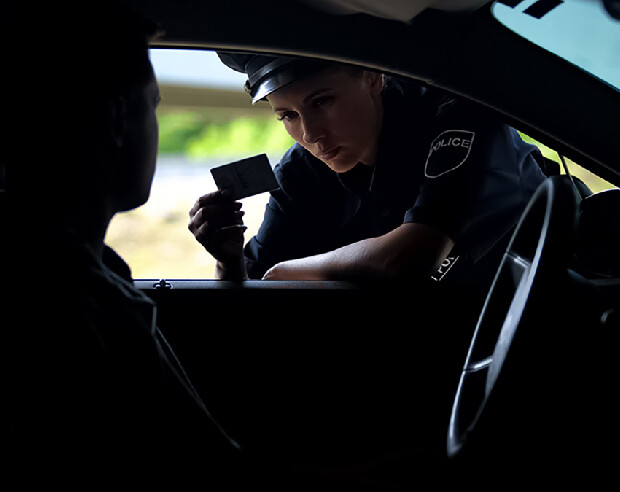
(538, 250)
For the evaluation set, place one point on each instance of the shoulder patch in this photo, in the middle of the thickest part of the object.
(448, 151)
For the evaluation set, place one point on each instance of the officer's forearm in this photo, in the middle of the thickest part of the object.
(409, 250)
(341, 264)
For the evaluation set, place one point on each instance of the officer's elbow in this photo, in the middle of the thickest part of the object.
(408, 267)
(412, 251)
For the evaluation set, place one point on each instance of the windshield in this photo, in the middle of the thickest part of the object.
(580, 31)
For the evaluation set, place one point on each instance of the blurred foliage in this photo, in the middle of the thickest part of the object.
(593, 182)
(196, 135)
(177, 129)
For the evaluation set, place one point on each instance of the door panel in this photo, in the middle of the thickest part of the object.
(320, 369)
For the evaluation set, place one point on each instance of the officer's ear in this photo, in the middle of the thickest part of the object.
(376, 82)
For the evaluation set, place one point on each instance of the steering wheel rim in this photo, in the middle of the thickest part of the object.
(536, 251)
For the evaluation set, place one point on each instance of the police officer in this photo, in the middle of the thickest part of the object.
(387, 180)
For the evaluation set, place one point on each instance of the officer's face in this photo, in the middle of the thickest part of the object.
(335, 114)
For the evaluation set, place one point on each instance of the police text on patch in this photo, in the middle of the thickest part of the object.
(448, 151)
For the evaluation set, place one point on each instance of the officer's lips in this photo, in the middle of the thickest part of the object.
(329, 154)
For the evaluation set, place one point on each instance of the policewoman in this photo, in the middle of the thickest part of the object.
(387, 180)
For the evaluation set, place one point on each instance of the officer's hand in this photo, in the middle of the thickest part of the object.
(216, 221)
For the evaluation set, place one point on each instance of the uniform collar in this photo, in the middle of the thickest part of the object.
(395, 145)
(359, 179)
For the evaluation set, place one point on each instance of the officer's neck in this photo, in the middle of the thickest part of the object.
(369, 157)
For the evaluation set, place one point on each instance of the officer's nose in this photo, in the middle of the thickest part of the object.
(312, 130)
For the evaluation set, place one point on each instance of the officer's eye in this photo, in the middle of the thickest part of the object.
(287, 116)
(322, 101)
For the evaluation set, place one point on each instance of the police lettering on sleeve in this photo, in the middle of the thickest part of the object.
(447, 152)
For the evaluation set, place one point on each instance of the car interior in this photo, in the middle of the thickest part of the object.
(334, 371)
(518, 376)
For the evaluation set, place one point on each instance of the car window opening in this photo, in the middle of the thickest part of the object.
(206, 120)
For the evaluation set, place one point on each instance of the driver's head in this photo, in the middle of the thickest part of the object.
(83, 97)
(334, 111)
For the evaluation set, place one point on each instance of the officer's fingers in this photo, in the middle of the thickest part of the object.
(210, 219)
(213, 240)
(230, 240)
(195, 224)
(219, 214)
(228, 220)
(201, 233)
(200, 202)
(231, 232)
(217, 197)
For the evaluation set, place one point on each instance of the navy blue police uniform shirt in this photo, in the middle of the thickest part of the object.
(442, 162)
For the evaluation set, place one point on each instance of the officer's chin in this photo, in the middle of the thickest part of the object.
(339, 164)
(339, 169)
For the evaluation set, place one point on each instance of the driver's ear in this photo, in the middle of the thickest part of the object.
(117, 120)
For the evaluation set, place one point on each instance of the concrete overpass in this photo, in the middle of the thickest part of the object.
(197, 80)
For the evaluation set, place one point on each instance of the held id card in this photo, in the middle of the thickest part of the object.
(246, 177)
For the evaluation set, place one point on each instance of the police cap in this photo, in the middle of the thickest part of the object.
(267, 74)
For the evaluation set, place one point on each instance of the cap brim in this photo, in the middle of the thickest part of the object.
(287, 73)
(272, 84)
